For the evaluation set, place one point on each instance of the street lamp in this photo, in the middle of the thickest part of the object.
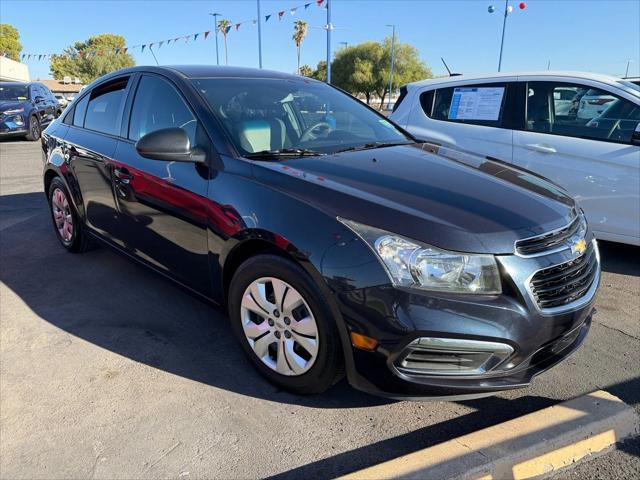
(215, 25)
(507, 10)
(329, 28)
(259, 36)
(344, 44)
(393, 55)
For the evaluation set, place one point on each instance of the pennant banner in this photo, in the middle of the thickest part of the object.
(205, 35)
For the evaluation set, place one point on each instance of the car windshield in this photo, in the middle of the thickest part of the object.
(294, 117)
(15, 93)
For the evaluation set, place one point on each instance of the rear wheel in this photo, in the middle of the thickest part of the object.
(285, 325)
(34, 129)
(65, 219)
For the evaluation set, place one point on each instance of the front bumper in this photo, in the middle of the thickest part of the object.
(8, 126)
(395, 317)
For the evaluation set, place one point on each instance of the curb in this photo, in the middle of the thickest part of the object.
(530, 446)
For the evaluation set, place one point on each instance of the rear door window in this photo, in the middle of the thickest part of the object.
(104, 110)
(481, 104)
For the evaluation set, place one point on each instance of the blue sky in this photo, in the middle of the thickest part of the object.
(587, 35)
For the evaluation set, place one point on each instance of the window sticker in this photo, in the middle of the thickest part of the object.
(476, 103)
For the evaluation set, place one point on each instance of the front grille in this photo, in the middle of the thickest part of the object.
(551, 240)
(563, 284)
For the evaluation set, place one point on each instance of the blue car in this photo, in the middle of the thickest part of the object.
(26, 109)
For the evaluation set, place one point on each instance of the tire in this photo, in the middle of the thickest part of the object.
(63, 216)
(324, 368)
(34, 129)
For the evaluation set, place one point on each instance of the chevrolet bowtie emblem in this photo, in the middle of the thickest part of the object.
(579, 247)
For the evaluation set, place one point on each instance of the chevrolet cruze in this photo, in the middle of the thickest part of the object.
(338, 244)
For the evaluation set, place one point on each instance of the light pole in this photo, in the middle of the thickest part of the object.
(393, 58)
(507, 10)
(215, 25)
(329, 27)
(344, 44)
(626, 72)
(259, 36)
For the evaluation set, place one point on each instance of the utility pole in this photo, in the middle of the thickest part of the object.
(393, 58)
(329, 27)
(259, 35)
(215, 26)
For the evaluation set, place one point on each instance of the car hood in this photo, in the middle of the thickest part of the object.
(9, 105)
(446, 198)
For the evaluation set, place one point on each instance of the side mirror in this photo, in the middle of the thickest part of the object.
(39, 99)
(170, 144)
(635, 136)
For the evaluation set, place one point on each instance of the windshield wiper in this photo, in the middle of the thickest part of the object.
(283, 153)
(369, 146)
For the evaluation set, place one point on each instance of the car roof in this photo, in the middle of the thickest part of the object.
(206, 71)
(598, 77)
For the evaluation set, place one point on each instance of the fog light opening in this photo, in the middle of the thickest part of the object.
(451, 356)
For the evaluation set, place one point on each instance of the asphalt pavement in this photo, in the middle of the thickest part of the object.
(108, 370)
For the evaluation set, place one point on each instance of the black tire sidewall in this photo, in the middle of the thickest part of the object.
(326, 368)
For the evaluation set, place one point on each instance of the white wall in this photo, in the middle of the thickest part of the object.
(12, 71)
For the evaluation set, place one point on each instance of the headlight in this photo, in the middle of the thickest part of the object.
(14, 111)
(410, 263)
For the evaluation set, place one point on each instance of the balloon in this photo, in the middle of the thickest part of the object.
(491, 9)
(522, 5)
(509, 9)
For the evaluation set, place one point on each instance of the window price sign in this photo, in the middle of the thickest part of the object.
(476, 103)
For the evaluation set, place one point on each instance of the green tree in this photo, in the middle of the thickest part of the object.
(92, 58)
(223, 27)
(306, 70)
(10, 45)
(407, 67)
(363, 69)
(320, 73)
(299, 32)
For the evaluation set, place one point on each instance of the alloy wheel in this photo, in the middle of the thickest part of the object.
(62, 215)
(35, 129)
(279, 326)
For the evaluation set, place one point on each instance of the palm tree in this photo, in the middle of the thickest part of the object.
(224, 27)
(299, 32)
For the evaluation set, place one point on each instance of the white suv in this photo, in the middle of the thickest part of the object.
(525, 119)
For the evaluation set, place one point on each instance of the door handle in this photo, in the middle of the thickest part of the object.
(538, 147)
(123, 175)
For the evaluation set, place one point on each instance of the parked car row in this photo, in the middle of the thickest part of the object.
(337, 242)
(26, 109)
(579, 130)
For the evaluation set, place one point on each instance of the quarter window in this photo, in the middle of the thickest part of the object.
(581, 111)
(474, 104)
(105, 107)
(158, 105)
(79, 111)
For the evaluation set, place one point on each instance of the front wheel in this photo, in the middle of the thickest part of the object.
(284, 324)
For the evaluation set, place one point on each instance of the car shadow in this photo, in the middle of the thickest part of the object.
(620, 258)
(112, 302)
(107, 299)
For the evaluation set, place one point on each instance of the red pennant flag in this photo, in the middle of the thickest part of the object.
(280, 14)
(238, 26)
(319, 2)
(206, 34)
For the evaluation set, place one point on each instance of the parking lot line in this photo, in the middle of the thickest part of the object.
(526, 447)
